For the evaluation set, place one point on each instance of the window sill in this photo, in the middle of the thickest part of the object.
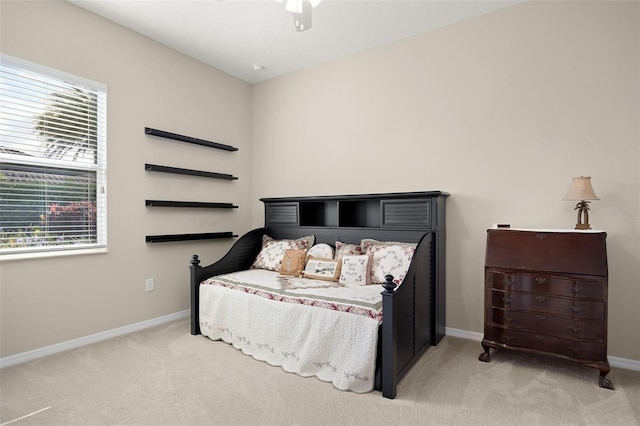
(52, 253)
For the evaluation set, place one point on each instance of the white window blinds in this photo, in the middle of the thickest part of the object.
(52, 160)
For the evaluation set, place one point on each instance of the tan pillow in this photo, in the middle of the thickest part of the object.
(293, 262)
(322, 269)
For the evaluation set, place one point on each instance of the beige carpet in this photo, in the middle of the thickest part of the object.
(165, 376)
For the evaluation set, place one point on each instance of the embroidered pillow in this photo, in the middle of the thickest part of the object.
(392, 259)
(272, 252)
(355, 270)
(293, 262)
(322, 250)
(344, 248)
(322, 269)
(307, 240)
(368, 242)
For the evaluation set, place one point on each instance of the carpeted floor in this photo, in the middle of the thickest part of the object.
(165, 376)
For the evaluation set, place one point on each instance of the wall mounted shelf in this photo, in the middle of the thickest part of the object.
(166, 203)
(188, 139)
(190, 172)
(189, 237)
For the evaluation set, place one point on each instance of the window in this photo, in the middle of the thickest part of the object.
(52, 160)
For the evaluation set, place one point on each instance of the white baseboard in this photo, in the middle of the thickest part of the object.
(92, 338)
(463, 334)
(628, 364)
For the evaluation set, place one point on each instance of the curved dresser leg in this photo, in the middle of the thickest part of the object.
(486, 355)
(604, 382)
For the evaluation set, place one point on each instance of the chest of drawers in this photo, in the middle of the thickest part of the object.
(546, 292)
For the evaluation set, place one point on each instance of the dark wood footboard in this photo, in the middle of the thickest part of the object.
(408, 318)
(238, 258)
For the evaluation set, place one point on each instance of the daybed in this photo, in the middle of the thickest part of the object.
(382, 336)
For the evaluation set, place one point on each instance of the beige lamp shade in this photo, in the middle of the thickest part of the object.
(580, 190)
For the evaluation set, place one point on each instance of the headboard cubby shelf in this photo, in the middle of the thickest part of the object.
(200, 204)
(190, 172)
(385, 211)
(189, 237)
(188, 139)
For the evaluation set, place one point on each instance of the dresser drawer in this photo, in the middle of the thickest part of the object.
(546, 324)
(543, 342)
(542, 303)
(582, 288)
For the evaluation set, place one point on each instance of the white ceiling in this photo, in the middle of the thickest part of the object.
(233, 35)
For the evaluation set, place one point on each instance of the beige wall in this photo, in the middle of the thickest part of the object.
(501, 111)
(48, 301)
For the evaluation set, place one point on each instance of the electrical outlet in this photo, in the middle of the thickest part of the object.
(150, 286)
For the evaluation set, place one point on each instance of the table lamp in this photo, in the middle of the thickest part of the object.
(582, 192)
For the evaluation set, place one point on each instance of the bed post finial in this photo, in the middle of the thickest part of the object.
(195, 261)
(389, 285)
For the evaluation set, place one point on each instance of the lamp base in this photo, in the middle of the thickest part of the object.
(583, 226)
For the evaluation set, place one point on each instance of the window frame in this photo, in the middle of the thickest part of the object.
(99, 167)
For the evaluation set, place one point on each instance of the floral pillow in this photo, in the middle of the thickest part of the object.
(355, 270)
(270, 257)
(369, 242)
(392, 259)
(344, 249)
(322, 250)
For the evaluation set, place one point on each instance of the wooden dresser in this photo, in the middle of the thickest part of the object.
(546, 292)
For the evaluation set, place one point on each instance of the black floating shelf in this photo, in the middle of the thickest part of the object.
(163, 203)
(176, 170)
(189, 237)
(189, 139)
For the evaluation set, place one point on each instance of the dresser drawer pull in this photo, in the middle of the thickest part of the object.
(540, 298)
(540, 280)
(575, 349)
(541, 235)
(540, 337)
(575, 329)
(508, 319)
(576, 309)
(541, 317)
(576, 289)
(507, 300)
(507, 280)
(508, 338)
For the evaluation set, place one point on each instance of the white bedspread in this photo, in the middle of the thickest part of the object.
(308, 327)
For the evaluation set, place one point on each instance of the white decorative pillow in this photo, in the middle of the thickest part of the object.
(390, 259)
(322, 250)
(270, 257)
(322, 269)
(355, 270)
(350, 249)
